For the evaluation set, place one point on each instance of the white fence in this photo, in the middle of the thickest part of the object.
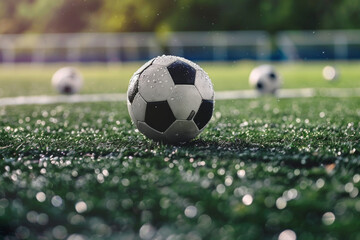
(217, 46)
(112, 47)
(334, 44)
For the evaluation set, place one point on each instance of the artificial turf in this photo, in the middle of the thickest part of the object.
(262, 167)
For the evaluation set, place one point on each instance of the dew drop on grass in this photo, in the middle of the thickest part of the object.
(356, 178)
(40, 196)
(228, 180)
(74, 173)
(320, 183)
(105, 172)
(280, 203)
(125, 182)
(221, 171)
(81, 207)
(354, 193)
(190, 211)
(290, 194)
(287, 235)
(56, 201)
(59, 232)
(349, 187)
(328, 218)
(220, 188)
(147, 231)
(241, 173)
(247, 199)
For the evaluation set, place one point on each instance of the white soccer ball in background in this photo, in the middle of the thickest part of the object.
(265, 79)
(67, 80)
(170, 99)
(330, 73)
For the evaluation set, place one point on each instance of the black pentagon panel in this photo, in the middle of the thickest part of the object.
(182, 73)
(259, 85)
(133, 88)
(159, 116)
(204, 113)
(68, 89)
(272, 76)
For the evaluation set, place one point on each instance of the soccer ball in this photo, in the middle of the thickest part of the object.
(330, 73)
(170, 99)
(67, 80)
(265, 79)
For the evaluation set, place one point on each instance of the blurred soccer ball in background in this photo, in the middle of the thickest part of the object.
(67, 80)
(265, 79)
(330, 73)
(170, 99)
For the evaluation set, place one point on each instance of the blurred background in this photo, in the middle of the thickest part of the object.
(42, 31)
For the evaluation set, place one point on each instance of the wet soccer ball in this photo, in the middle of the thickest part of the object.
(170, 99)
(330, 73)
(265, 79)
(67, 80)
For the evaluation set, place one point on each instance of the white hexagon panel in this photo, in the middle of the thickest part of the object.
(165, 60)
(204, 85)
(184, 101)
(155, 83)
(181, 131)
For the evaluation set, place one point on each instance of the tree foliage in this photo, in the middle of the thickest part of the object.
(130, 15)
(176, 15)
(17, 16)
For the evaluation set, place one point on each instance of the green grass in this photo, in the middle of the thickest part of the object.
(35, 80)
(297, 159)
